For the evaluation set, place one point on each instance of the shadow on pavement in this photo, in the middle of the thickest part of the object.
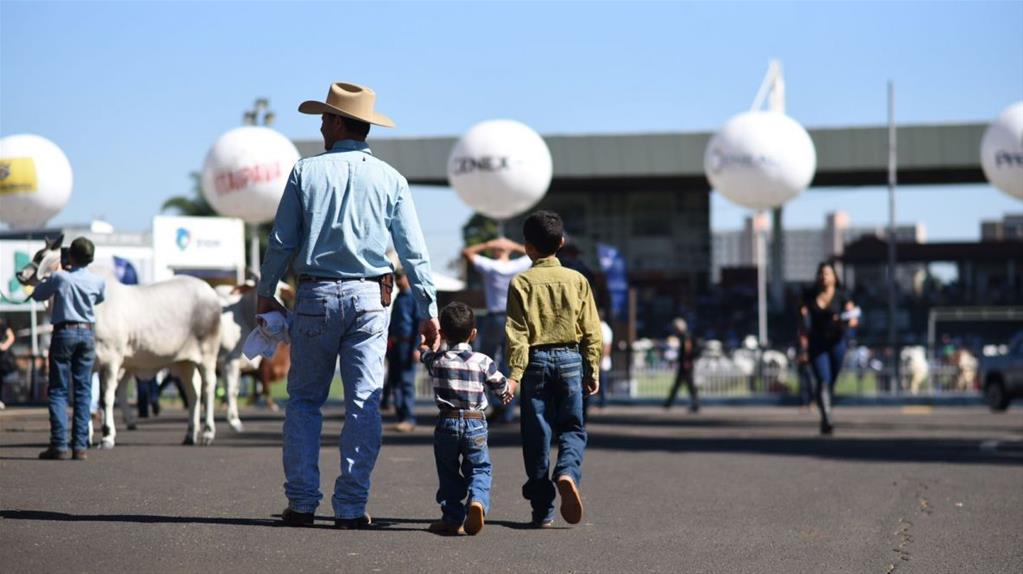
(616, 432)
(134, 518)
(380, 524)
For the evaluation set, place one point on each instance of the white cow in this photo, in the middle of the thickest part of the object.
(140, 330)
(915, 369)
(237, 320)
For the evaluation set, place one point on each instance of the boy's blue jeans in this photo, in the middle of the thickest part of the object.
(72, 353)
(343, 319)
(463, 466)
(552, 406)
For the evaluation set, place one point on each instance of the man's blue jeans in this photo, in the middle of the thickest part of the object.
(463, 466)
(72, 353)
(341, 319)
(552, 406)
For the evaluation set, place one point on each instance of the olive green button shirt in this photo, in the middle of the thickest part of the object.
(549, 304)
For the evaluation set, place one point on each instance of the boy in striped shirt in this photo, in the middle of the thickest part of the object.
(460, 438)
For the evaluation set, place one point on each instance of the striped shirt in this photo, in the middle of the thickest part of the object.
(459, 375)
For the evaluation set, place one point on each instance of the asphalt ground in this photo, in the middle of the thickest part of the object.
(749, 489)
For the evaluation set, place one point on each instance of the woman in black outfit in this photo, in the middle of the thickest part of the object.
(824, 315)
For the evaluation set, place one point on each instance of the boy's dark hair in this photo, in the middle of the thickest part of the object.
(457, 322)
(81, 252)
(544, 230)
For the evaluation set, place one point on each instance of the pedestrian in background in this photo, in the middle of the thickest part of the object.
(684, 371)
(7, 365)
(497, 272)
(823, 317)
(403, 354)
(599, 400)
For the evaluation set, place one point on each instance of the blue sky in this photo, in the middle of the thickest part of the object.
(135, 93)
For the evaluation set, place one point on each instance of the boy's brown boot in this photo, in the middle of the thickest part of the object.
(571, 502)
(474, 522)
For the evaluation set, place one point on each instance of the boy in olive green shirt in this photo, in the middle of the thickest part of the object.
(554, 349)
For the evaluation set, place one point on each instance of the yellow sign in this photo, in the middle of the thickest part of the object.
(18, 175)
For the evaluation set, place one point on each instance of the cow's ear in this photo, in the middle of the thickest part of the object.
(54, 242)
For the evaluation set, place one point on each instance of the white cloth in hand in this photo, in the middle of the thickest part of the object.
(271, 329)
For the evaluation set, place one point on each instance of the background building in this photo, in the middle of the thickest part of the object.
(804, 248)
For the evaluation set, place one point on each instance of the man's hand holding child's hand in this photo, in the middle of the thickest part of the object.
(509, 392)
(591, 385)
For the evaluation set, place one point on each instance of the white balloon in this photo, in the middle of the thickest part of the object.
(500, 168)
(245, 173)
(35, 180)
(1001, 151)
(760, 159)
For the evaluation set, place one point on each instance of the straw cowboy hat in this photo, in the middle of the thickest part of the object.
(348, 100)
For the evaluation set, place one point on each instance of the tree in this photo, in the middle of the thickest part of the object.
(478, 229)
(194, 204)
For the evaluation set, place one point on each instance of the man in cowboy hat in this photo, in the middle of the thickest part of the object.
(338, 213)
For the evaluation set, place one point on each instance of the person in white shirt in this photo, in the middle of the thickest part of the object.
(497, 272)
(600, 399)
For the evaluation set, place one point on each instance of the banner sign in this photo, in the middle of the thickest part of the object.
(613, 265)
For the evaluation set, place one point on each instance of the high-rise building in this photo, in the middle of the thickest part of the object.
(804, 247)
(1010, 228)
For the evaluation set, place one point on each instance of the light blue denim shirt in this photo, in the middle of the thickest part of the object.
(75, 294)
(338, 211)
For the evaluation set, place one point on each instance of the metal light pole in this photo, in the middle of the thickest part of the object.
(772, 91)
(759, 233)
(892, 289)
(259, 115)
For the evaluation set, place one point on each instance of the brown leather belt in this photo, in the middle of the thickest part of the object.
(386, 283)
(71, 325)
(555, 347)
(460, 414)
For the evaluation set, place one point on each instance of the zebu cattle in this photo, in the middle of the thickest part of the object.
(915, 369)
(966, 370)
(140, 330)
(238, 319)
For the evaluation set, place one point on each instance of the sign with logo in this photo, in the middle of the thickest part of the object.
(14, 255)
(204, 246)
(1001, 151)
(500, 168)
(18, 175)
(489, 163)
(613, 265)
(245, 173)
(760, 160)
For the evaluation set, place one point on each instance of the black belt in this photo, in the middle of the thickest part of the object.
(555, 347)
(318, 279)
(460, 414)
(71, 325)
